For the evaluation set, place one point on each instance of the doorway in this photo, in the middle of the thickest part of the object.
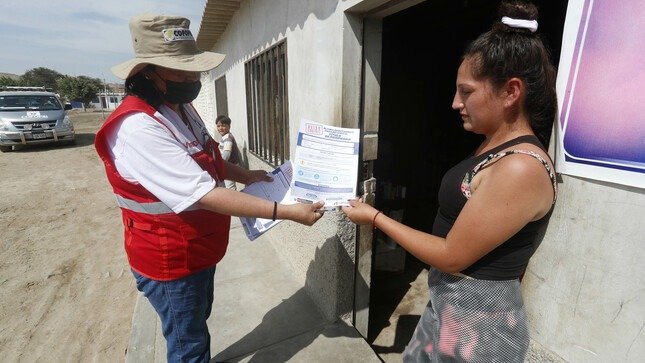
(419, 138)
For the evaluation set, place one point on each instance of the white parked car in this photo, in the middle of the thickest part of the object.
(33, 117)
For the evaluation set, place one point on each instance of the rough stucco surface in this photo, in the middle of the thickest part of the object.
(584, 286)
(538, 354)
(322, 260)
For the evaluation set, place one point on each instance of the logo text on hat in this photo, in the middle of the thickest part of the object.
(176, 34)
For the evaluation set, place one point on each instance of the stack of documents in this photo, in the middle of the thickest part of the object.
(276, 191)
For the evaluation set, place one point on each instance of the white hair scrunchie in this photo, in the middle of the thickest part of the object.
(531, 25)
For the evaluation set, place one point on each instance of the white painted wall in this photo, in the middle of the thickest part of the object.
(313, 31)
(205, 103)
(109, 105)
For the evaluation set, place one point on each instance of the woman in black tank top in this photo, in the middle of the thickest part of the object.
(493, 207)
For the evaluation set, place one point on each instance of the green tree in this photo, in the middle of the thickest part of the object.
(41, 77)
(81, 88)
(8, 81)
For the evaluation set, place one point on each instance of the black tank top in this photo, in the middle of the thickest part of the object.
(509, 260)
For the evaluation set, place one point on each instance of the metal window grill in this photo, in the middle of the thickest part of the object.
(267, 104)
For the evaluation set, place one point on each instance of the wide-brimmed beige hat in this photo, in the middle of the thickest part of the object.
(165, 41)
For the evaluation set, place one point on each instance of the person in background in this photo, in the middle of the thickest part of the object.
(227, 145)
(167, 175)
(494, 206)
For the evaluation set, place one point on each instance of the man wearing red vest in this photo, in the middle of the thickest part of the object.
(167, 175)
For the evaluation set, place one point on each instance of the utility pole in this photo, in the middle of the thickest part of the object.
(105, 98)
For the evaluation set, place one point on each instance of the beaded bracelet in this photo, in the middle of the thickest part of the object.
(275, 210)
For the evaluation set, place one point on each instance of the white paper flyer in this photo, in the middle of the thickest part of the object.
(326, 164)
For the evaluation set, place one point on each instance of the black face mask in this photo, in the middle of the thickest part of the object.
(181, 92)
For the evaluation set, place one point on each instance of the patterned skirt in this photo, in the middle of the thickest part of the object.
(470, 320)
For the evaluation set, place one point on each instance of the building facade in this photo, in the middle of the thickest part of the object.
(107, 101)
(388, 68)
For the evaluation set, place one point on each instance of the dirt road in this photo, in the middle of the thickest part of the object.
(66, 292)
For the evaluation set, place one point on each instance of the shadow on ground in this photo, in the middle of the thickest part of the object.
(286, 330)
(388, 291)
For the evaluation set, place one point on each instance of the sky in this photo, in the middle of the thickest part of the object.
(78, 37)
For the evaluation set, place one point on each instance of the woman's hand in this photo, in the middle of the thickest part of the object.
(359, 212)
(258, 175)
(306, 214)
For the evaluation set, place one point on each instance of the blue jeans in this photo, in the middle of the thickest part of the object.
(183, 306)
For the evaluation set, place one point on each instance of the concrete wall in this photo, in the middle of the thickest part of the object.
(584, 288)
(313, 31)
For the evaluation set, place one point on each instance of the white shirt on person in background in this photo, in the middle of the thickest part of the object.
(228, 149)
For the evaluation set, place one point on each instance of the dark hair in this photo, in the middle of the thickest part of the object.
(223, 119)
(138, 85)
(505, 52)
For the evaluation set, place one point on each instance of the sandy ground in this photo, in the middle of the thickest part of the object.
(66, 292)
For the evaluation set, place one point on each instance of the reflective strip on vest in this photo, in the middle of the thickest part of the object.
(148, 208)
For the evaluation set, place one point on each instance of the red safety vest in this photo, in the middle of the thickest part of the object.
(161, 244)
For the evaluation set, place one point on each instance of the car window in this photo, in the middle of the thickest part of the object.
(30, 102)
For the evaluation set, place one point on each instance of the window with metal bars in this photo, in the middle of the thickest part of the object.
(267, 104)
